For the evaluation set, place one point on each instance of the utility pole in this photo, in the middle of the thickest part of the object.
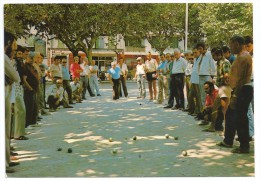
(186, 27)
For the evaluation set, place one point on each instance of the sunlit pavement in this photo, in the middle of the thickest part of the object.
(100, 133)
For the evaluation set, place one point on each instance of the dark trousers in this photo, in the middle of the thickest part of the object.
(123, 83)
(243, 100)
(31, 107)
(178, 85)
(85, 86)
(67, 88)
(237, 120)
(51, 101)
(116, 86)
(171, 94)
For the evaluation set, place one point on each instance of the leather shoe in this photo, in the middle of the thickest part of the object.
(167, 107)
(174, 108)
(71, 102)
(68, 107)
(12, 164)
(9, 170)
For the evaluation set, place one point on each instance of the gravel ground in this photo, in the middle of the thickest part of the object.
(100, 133)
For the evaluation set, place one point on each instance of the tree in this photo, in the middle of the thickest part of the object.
(219, 22)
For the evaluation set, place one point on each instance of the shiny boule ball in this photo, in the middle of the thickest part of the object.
(176, 138)
(69, 150)
(110, 140)
(59, 149)
(184, 153)
(134, 138)
(167, 136)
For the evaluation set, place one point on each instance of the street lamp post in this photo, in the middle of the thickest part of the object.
(186, 27)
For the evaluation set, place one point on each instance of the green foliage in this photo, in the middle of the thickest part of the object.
(219, 22)
(78, 26)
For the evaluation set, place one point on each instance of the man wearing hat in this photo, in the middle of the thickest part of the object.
(140, 76)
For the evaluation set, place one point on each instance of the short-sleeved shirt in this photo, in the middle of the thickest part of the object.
(55, 70)
(224, 91)
(114, 72)
(151, 65)
(85, 69)
(74, 86)
(140, 69)
(74, 69)
(91, 68)
(123, 69)
(211, 98)
(65, 73)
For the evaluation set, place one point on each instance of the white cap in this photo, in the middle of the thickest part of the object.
(139, 58)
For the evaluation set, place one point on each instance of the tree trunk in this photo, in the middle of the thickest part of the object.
(89, 53)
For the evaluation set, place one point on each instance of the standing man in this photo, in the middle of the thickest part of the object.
(31, 83)
(236, 116)
(140, 77)
(11, 75)
(150, 69)
(227, 54)
(84, 78)
(250, 113)
(93, 78)
(223, 65)
(66, 80)
(19, 106)
(114, 77)
(178, 69)
(162, 80)
(170, 81)
(75, 68)
(123, 76)
(206, 68)
(194, 92)
(55, 70)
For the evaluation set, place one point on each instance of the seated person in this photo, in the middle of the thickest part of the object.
(76, 90)
(212, 93)
(220, 105)
(54, 96)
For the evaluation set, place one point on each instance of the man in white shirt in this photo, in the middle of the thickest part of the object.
(140, 76)
(55, 71)
(84, 78)
(206, 68)
(123, 76)
(93, 80)
(54, 96)
(178, 69)
(11, 75)
(151, 75)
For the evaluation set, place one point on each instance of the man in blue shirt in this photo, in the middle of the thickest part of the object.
(114, 77)
(66, 80)
(162, 79)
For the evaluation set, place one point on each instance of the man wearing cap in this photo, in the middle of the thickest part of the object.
(140, 76)
(114, 78)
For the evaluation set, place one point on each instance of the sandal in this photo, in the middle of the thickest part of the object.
(22, 138)
(223, 144)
